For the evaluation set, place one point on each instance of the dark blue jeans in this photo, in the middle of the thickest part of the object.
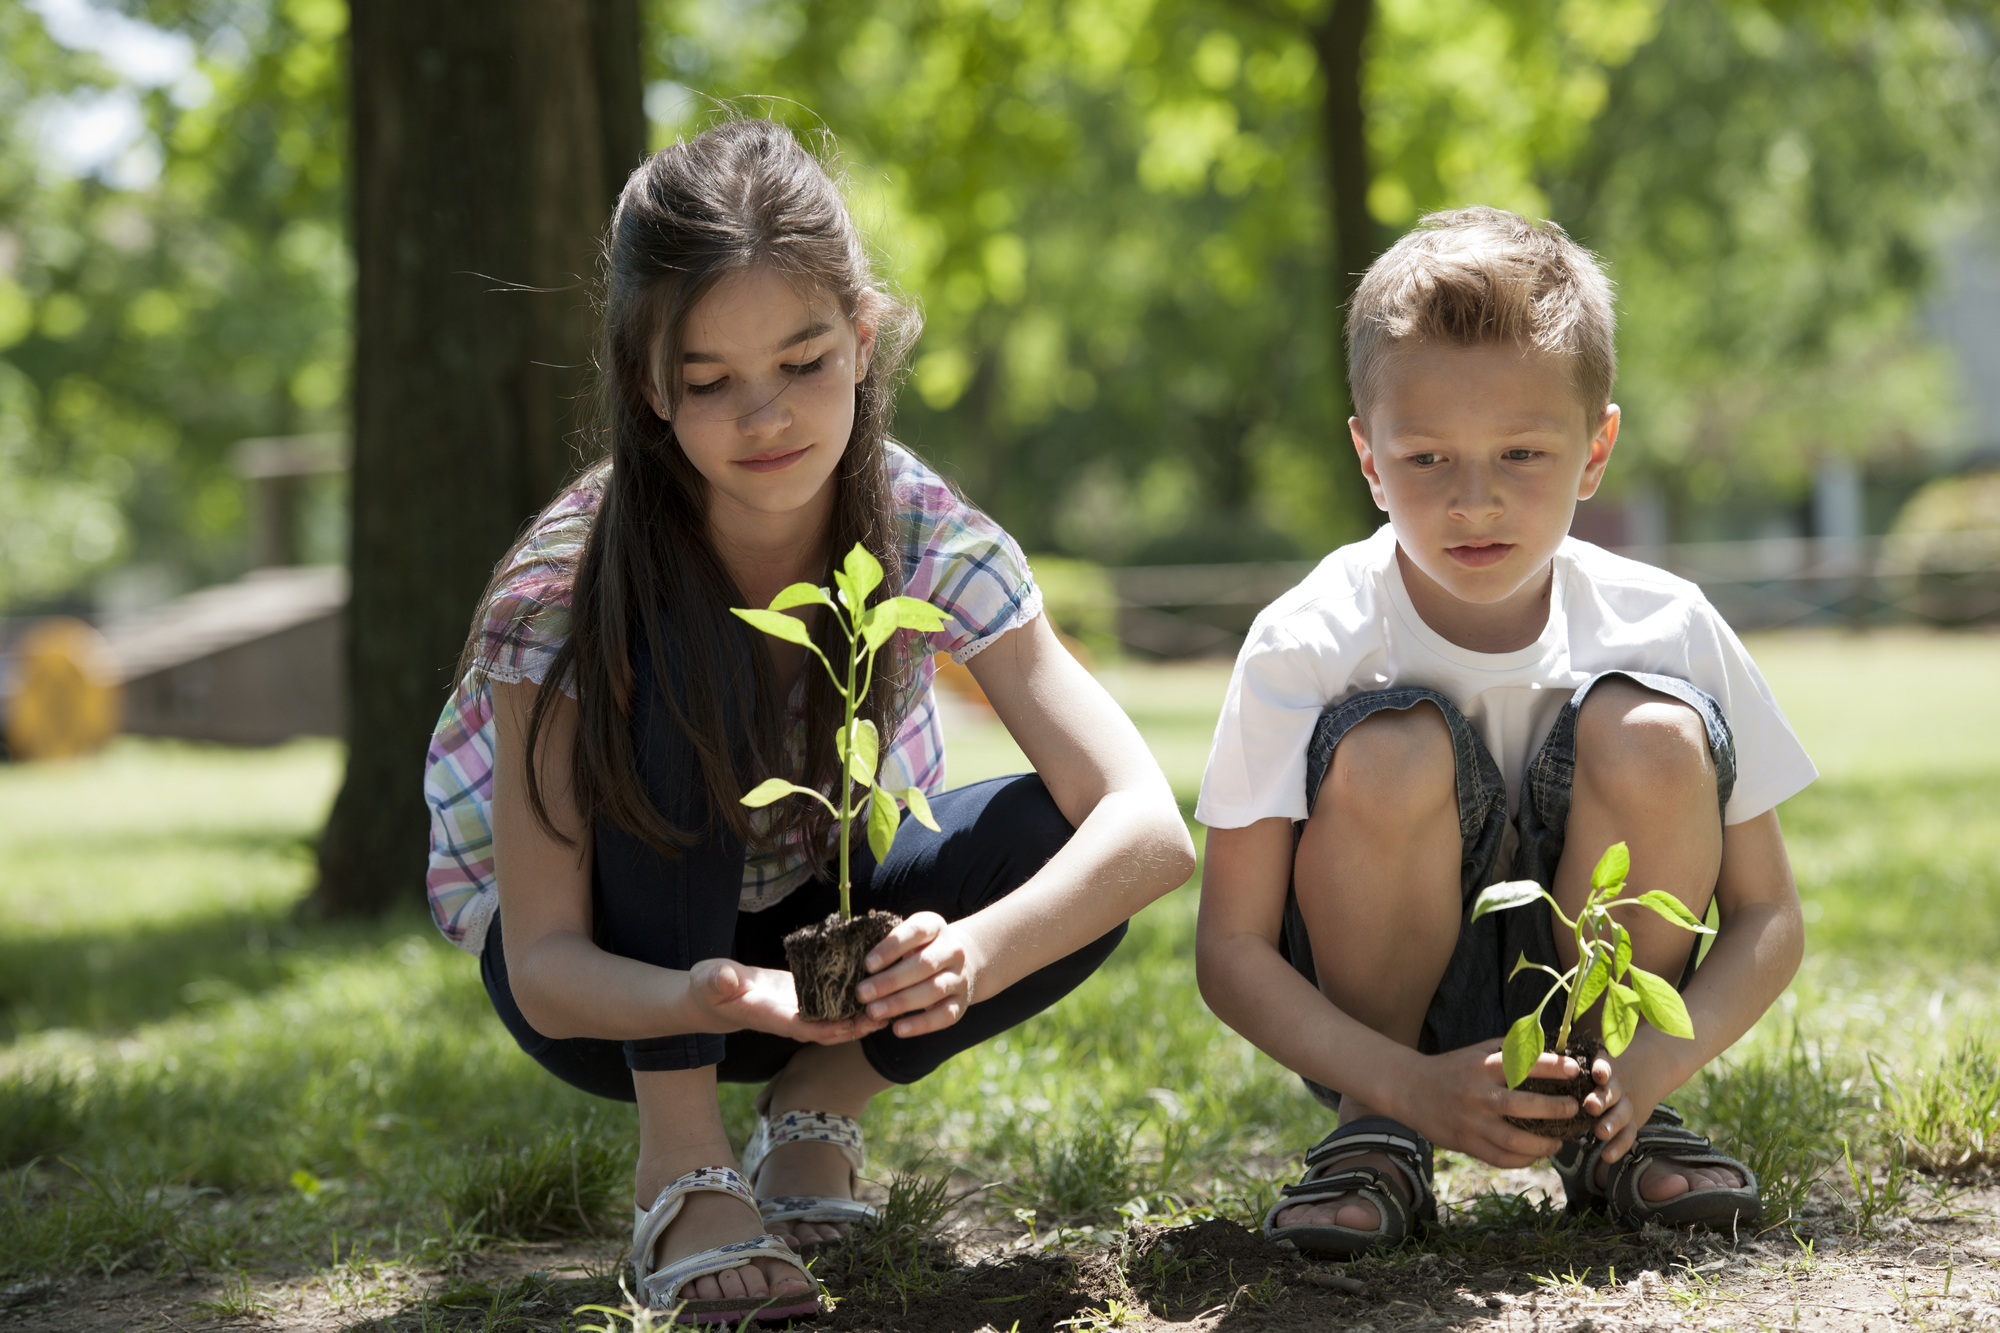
(1474, 1000)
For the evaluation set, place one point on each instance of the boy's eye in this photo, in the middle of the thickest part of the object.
(713, 386)
(1423, 460)
(1521, 455)
(809, 367)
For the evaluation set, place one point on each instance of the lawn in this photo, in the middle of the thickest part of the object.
(195, 1084)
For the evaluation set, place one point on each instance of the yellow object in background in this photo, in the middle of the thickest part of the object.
(65, 697)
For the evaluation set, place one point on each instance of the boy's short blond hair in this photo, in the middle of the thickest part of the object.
(1480, 275)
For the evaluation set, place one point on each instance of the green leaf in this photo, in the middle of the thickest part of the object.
(864, 572)
(772, 789)
(775, 623)
(861, 755)
(882, 821)
(1621, 1017)
(800, 594)
(920, 808)
(1595, 979)
(877, 626)
(1500, 897)
(1521, 965)
(848, 598)
(1624, 963)
(915, 613)
(1674, 910)
(1662, 1004)
(1612, 868)
(1521, 1049)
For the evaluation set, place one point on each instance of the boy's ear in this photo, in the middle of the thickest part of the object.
(1602, 442)
(1367, 457)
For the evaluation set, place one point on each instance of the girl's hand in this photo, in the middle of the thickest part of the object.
(933, 984)
(730, 996)
(1466, 1100)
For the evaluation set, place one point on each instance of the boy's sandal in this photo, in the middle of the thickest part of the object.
(1326, 1180)
(843, 1132)
(659, 1288)
(1662, 1138)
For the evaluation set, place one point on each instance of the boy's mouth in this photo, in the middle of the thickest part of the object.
(1479, 556)
(773, 461)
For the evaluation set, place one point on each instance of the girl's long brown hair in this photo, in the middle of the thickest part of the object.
(741, 196)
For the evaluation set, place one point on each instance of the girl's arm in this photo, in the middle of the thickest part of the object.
(1130, 845)
(565, 985)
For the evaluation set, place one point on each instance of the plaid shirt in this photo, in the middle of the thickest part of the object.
(954, 557)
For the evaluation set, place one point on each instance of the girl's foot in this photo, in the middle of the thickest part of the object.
(707, 1220)
(815, 1170)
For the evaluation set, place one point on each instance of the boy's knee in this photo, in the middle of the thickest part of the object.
(1392, 765)
(1637, 741)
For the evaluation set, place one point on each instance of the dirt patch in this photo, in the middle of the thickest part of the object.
(1534, 1272)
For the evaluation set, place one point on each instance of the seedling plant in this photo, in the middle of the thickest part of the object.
(1603, 965)
(858, 745)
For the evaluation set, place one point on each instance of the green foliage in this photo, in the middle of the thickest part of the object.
(1603, 965)
(1782, 1109)
(146, 324)
(574, 1182)
(867, 629)
(1946, 1119)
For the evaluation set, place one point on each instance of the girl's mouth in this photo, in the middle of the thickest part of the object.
(1479, 557)
(773, 462)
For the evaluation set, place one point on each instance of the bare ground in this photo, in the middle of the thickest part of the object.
(1540, 1274)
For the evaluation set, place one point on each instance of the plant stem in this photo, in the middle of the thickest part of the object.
(847, 765)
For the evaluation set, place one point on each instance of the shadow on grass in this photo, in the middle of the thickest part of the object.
(113, 980)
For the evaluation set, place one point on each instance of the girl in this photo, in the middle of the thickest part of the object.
(588, 842)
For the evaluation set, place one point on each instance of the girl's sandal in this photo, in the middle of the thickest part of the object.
(843, 1132)
(659, 1288)
(1325, 1180)
(1662, 1138)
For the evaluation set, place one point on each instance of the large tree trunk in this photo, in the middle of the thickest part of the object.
(1339, 38)
(489, 142)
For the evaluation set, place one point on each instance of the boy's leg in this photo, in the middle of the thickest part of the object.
(1378, 880)
(1645, 775)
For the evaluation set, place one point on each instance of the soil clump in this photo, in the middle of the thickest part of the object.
(827, 961)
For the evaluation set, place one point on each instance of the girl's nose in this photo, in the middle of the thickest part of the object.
(769, 418)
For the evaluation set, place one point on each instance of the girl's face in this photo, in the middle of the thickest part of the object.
(767, 398)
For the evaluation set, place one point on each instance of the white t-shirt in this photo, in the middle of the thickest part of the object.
(1350, 627)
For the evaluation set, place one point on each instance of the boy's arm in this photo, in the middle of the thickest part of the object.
(1758, 943)
(1457, 1099)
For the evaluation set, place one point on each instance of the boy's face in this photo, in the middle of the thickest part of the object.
(1479, 455)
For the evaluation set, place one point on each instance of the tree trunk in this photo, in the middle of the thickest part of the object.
(1338, 39)
(488, 146)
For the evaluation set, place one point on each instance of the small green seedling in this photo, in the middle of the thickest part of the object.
(857, 743)
(1603, 962)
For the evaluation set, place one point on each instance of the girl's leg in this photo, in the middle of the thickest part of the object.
(1377, 877)
(817, 1078)
(680, 1130)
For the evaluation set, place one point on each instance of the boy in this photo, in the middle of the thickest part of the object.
(1469, 696)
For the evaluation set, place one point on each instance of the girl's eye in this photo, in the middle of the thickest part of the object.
(713, 386)
(809, 367)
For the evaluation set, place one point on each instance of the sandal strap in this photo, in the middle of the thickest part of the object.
(1392, 1211)
(1671, 1143)
(661, 1288)
(1408, 1151)
(774, 1131)
(649, 1223)
(816, 1208)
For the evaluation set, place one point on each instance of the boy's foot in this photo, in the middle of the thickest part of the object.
(1349, 1210)
(1665, 1178)
(1671, 1175)
(1367, 1186)
(708, 1220)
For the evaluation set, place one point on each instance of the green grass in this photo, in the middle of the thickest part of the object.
(206, 1084)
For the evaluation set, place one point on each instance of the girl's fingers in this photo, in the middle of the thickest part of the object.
(920, 996)
(912, 933)
(931, 959)
(930, 1020)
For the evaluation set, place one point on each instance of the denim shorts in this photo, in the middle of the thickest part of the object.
(1474, 1000)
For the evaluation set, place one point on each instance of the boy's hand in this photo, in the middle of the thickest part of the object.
(1467, 1100)
(1620, 1112)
